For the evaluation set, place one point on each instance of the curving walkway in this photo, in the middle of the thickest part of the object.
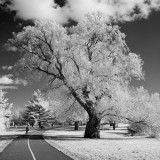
(31, 147)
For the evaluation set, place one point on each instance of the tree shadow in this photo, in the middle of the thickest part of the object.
(69, 128)
(30, 137)
(21, 137)
(74, 138)
(7, 137)
(118, 133)
(66, 138)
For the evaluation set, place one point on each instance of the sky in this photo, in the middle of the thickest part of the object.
(138, 19)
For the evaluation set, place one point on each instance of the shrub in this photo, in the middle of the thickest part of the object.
(138, 129)
(141, 129)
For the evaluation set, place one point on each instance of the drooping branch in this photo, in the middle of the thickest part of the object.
(123, 117)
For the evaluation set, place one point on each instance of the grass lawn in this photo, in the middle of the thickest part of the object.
(113, 145)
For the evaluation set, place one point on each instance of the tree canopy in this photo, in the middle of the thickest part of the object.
(90, 60)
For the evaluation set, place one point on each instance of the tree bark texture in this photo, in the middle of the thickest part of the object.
(76, 125)
(39, 124)
(114, 125)
(93, 127)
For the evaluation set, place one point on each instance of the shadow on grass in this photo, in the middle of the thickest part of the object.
(80, 138)
(8, 137)
(74, 138)
(13, 133)
(119, 132)
(68, 128)
(22, 137)
(66, 138)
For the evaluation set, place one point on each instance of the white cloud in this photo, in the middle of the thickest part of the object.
(11, 48)
(120, 10)
(7, 68)
(38, 9)
(2, 87)
(8, 80)
(76, 9)
(20, 81)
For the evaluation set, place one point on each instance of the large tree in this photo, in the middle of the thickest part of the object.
(89, 60)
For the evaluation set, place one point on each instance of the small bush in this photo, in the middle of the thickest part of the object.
(141, 129)
(137, 129)
(155, 132)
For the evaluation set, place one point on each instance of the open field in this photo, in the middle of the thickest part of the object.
(113, 145)
(7, 137)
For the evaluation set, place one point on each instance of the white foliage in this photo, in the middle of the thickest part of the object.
(5, 111)
(38, 99)
(90, 60)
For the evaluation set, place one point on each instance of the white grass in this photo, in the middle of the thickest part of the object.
(4, 144)
(113, 145)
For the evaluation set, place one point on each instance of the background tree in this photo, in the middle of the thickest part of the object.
(37, 110)
(138, 107)
(8, 115)
(5, 112)
(76, 114)
(89, 60)
(66, 109)
(17, 116)
(144, 108)
(154, 118)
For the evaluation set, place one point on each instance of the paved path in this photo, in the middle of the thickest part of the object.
(31, 147)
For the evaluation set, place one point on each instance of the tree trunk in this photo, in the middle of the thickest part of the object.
(76, 125)
(114, 125)
(39, 124)
(93, 127)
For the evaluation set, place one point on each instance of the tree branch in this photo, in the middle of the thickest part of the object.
(129, 119)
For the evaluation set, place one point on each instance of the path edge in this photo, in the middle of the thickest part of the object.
(9, 142)
(62, 149)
